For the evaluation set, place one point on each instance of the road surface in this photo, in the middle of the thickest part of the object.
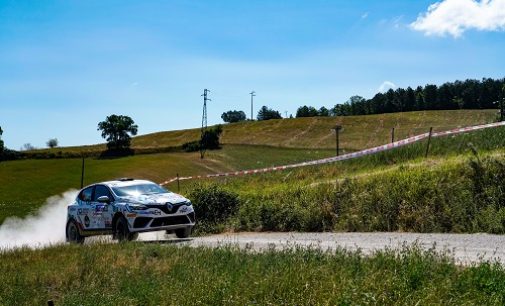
(465, 248)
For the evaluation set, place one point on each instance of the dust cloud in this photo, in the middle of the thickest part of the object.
(43, 228)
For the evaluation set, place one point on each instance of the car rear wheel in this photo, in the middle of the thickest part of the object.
(121, 231)
(183, 232)
(72, 233)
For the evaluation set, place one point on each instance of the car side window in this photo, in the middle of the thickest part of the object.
(101, 190)
(86, 194)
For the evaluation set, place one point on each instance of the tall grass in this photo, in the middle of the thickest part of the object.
(151, 274)
(459, 194)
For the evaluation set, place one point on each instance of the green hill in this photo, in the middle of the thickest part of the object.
(359, 132)
(25, 184)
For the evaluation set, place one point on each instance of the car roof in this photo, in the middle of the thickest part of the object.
(121, 183)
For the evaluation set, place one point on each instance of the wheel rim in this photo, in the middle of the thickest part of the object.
(72, 232)
(120, 232)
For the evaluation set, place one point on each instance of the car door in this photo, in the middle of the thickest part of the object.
(101, 212)
(84, 207)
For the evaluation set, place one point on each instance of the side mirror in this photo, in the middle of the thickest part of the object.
(103, 199)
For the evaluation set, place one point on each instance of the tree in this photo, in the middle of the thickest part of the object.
(266, 113)
(27, 147)
(306, 111)
(210, 139)
(116, 129)
(341, 110)
(430, 97)
(1, 141)
(52, 143)
(323, 112)
(233, 116)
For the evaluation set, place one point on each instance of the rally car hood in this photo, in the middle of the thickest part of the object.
(157, 199)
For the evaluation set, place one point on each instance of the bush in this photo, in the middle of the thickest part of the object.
(467, 196)
(191, 146)
(52, 143)
(213, 204)
(210, 140)
(233, 116)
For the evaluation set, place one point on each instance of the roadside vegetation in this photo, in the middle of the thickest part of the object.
(389, 191)
(154, 274)
(459, 188)
(359, 132)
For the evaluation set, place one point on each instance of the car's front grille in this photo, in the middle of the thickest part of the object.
(164, 208)
(173, 220)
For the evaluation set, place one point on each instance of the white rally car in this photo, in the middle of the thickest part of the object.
(126, 207)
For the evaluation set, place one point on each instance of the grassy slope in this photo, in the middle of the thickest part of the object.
(27, 183)
(152, 274)
(43, 178)
(453, 190)
(359, 131)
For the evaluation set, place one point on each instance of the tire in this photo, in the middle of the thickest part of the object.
(121, 231)
(183, 232)
(72, 233)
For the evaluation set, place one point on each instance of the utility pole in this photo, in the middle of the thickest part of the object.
(337, 129)
(501, 109)
(253, 94)
(392, 135)
(204, 122)
(82, 173)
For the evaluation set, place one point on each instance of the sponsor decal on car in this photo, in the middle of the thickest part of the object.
(82, 211)
(101, 208)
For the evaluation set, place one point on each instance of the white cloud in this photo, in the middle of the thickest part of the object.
(454, 17)
(364, 16)
(387, 85)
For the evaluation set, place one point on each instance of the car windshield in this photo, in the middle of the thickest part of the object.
(136, 190)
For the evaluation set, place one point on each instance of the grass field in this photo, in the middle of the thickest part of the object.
(25, 184)
(153, 274)
(359, 132)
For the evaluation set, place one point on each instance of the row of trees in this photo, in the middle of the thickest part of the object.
(310, 111)
(469, 94)
(264, 113)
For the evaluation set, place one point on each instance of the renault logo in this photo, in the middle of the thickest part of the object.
(169, 206)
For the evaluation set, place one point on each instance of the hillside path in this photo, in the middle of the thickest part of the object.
(465, 248)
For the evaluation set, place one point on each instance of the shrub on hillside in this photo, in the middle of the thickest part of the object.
(210, 140)
(191, 146)
(213, 204)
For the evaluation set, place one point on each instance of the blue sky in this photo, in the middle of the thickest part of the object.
(66, 65)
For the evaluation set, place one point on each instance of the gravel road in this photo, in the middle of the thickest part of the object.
(465, 248)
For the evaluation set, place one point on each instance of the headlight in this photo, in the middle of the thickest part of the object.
(188, 203)
(134, 207)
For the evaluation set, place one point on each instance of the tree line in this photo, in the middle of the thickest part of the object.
(468, 94)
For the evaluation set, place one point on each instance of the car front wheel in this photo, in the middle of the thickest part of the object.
(121, 231)
(183, 232)
(72, 233)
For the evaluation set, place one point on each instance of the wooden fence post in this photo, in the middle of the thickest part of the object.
(428, 145)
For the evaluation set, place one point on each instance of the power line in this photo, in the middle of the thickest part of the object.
(253, 94)
(204, 122)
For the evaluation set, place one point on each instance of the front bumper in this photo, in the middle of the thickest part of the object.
(154, 221)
